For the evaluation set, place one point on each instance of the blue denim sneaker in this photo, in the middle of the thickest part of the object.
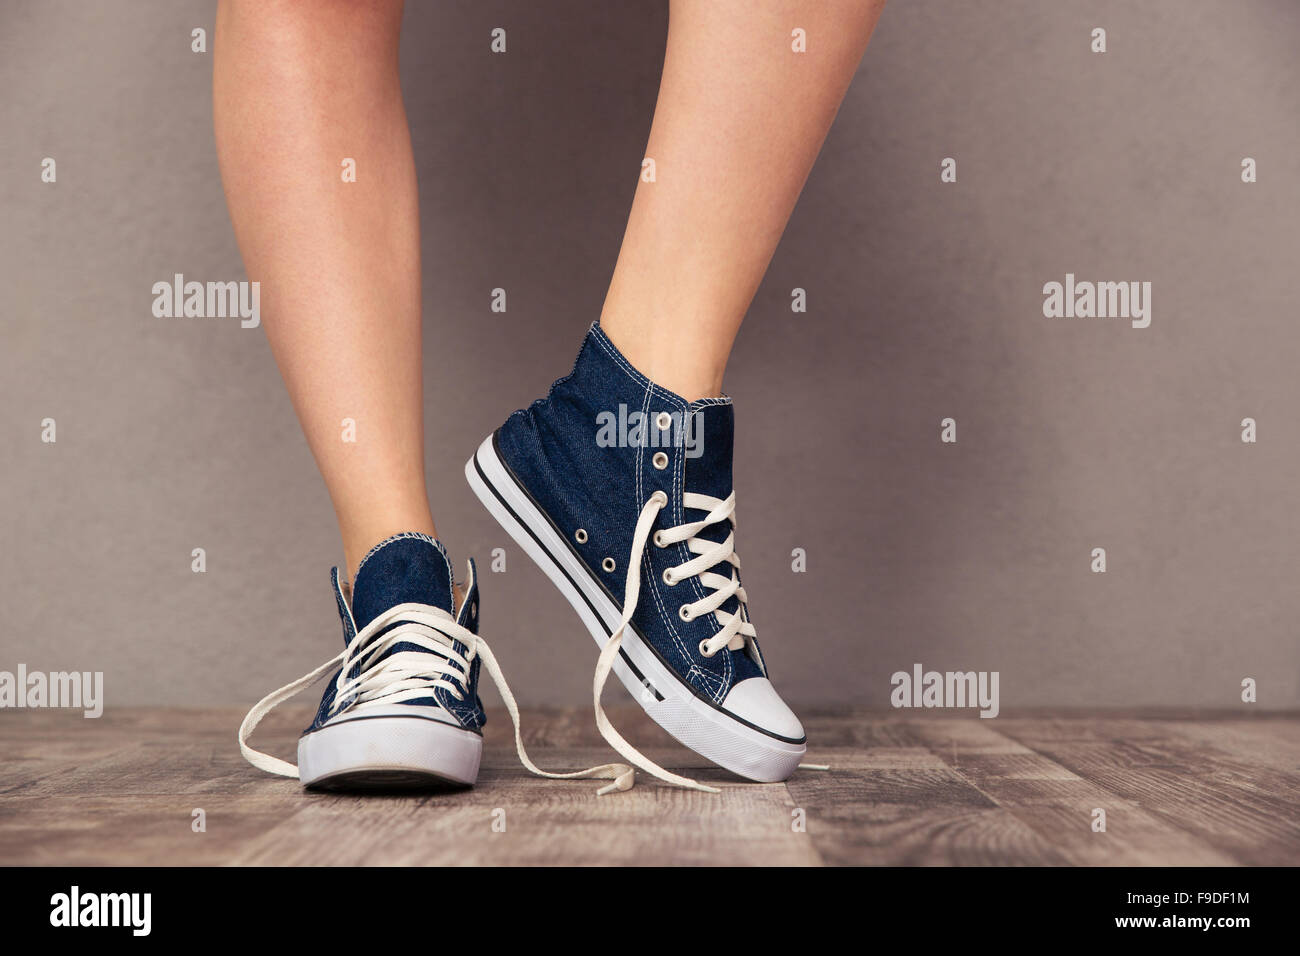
(612, 478)
(402, 709)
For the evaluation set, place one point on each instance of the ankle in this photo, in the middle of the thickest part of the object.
(673, 360)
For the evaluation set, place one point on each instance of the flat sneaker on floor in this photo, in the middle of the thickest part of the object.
(613, 483)
(402, 708)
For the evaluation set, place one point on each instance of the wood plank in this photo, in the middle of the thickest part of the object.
(1235, 803)
(1261, 742)
(1057, 804)
(133, 831)
(893, 802)
(545, 822)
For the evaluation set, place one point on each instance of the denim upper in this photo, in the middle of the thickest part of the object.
(587, 459)
(408, 568)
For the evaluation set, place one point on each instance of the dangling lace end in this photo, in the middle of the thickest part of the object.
(263, 761)
(622, 775)
(814, 766)
(612, 737)
(702, 787)
(625, 780)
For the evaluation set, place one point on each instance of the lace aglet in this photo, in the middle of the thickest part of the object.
(814, 766)
(624, 779)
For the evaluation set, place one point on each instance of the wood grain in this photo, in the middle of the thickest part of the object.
(1196, 789)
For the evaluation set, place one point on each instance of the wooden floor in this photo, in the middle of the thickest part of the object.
(1176, 789)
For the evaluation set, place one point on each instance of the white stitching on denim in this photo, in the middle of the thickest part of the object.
(762, 664)
(647, 567)
(470, 716)
(460, 709)
(638, 499)
(344, 603)
(599, 336)
(642, 382)
(708, 679)
(652, 579)
(397, 537)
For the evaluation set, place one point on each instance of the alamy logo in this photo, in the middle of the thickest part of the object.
(637, 429)
(948, 689)
(208, 300)
(74, 908)
(74, 689)
(1100, 300)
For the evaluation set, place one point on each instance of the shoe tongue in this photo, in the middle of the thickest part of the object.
(708, 451)
(403, 570)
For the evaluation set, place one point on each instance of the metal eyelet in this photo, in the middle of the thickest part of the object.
(704, 651)
(608, 565)
(659, 540)
(660, 497)
(664, 421)
(580, 536)
(684, 612)
(660, 460)
(668, 577)
(473, 608)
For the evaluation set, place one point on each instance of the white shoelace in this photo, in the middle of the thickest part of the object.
(735, 628)
(409, 675)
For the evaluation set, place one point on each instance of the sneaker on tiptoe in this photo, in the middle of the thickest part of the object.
(613, 483)
(402, 708)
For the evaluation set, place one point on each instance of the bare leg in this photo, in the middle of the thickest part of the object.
(739, 122)
(297, 89)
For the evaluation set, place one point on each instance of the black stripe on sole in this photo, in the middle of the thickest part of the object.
(496, 447)
(583, 594)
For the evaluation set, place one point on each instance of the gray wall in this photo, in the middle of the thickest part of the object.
(925, 301)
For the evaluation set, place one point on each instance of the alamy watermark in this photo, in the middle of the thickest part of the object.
(208, 300)
(637, 429)
(1101, 300)
(923, 688)
(82, 690)
(75, 908)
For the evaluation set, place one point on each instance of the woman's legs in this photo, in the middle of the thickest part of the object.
(739, 122)
(297, 89)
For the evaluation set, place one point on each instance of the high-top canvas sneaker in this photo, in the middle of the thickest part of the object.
(402, 708)
(615, 484)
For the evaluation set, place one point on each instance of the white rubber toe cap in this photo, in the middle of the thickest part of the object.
(756, 701)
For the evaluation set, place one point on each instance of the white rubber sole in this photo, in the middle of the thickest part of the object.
(383, 752)
(671, 703)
